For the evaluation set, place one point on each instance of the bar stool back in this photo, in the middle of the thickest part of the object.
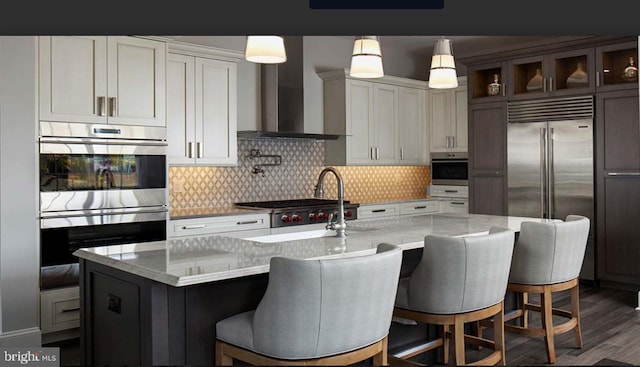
(547, 259)
(322, 312)
(458, 280)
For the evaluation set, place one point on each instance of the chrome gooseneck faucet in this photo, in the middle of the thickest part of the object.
(339, 225)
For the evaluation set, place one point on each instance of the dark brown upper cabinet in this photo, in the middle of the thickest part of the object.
(611, 63)
(487, 82)
(551, 75)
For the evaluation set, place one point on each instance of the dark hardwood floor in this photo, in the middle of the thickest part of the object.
(610, 332)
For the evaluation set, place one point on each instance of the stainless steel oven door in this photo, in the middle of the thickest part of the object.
(63, 233)
(81, 174)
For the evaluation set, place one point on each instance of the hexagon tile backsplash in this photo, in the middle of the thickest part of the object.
(295, 178)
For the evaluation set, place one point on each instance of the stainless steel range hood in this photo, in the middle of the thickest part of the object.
(282, 91)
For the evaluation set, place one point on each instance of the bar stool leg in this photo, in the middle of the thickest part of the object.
(380, 359)
(525, 312)
(498, 337)
(547, 323)
(575, 312)
(445, 344)
(458, 341)
(221, 358)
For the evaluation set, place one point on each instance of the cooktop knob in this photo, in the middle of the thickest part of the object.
(313, 216)
(296, 218)
(286, 219)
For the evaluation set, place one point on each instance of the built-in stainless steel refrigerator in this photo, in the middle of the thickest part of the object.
(550, 162)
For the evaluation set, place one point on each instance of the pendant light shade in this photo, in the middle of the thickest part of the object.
(366, 60)
(265, 49)
(443, 67)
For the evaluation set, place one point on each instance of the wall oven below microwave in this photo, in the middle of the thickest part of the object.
(450, 168)
(100, 185)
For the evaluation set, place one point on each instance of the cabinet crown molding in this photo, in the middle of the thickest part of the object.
(191, 49)
(387, 79)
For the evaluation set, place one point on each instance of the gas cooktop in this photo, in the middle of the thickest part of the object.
(295, 203)
(286, 213)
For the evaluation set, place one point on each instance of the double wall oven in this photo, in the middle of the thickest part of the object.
(99, 185)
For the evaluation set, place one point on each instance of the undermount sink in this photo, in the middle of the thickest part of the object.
(293, 236)
(317, 233)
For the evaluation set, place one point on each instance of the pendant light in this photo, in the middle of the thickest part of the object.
(265, 49)
(366, 60)
(443, 66)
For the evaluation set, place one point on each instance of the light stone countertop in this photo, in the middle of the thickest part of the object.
(183, 262)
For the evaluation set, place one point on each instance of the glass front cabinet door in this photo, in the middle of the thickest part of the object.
(617, 66)
(555, 74)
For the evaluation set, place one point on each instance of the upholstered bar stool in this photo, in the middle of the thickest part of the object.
(547, 258)
(317, 312)
(458, 280)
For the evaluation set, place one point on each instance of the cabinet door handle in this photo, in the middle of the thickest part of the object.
(453, 142)
(112, 106)
(550, 84)
(378, 210)
(199, 149)
(544, 85)
(377, 153)
(420, 207)
(450, 190)
(247, 222)
(373, 156)
(402, 154)
(72, 309)
(597, 78)
(447, 145)
(194, 226)
(504, 89)
(100, 106)
(457, 203)
(623, 174)
(189, 150)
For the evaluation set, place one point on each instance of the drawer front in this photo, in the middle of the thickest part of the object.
(214, 225)
(456, 206)
(449, 191)
(419, 207)
(59, 309)
(378, 211)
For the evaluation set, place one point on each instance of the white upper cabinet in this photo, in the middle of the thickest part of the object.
(201, 107)
(380, 122)
(411, 126)
(448, 118)
(383, 135)
(97, 79)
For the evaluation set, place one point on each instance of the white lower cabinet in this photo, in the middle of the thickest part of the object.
(59, 310)
(460, 206)
(243, 225)
(419, 207)
(366, 211)
(386, 210)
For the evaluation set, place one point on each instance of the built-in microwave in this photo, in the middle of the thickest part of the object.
(450, 168)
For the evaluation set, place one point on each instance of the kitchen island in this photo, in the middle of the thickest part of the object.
(157, 303)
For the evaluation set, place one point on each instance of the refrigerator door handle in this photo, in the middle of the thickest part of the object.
(550, 175)
(543, 169)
